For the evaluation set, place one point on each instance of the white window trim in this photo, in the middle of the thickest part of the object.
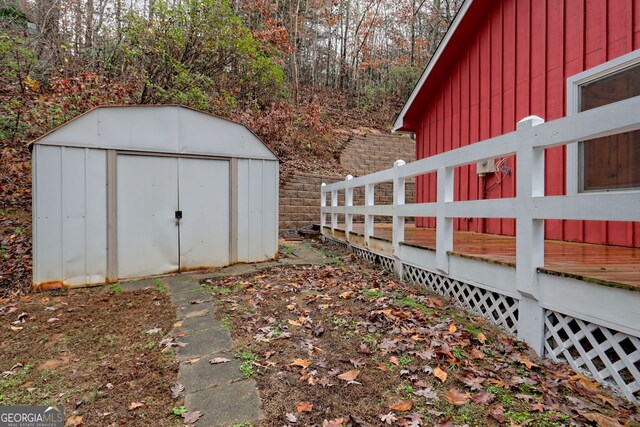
(573, 97)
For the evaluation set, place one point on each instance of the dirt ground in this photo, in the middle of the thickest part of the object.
(346, 344)
(95, 352)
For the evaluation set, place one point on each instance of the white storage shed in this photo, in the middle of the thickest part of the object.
(122, 192)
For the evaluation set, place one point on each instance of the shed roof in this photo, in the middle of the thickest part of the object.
(161, 129)
(460, 33)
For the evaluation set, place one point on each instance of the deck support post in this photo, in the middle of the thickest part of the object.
(334, 216)
(348, 216)
(323, 204)
(444, 225)
(529, 235)
(531, 324)
(398, 221)
(368, 219)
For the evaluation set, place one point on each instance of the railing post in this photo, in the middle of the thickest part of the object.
(368, 219)
(398, 221)
(444, 225)
(323, 204)
(529, 234)
(348, 201)
(334, 216)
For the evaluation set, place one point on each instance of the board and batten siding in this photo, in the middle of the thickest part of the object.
(511, 59)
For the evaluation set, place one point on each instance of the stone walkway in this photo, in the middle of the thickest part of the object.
(219, 391)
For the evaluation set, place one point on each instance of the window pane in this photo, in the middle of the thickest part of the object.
(612, 162)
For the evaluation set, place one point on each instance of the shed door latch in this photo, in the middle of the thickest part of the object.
(178, 214)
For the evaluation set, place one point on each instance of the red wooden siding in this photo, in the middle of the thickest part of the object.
(512, 62)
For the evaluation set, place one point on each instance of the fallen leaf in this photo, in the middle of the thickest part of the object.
(346, 295)
(303, 363)
(435, 302)
(191, 417)
(401, 405)
(338, 422)
(291, 417)
(304, 407)
(394, 360)
(176, 390)
(457, 397)
(349, 375)
(440, 374)
(358, 422)
(497, 412)
(602, 420)
(16, 328)
(427, 393)
(218, 360)
(482, 398)
(135, 405)
(74, 421)
(153, 331)
(481, 337)
(53, 319)
(294, 323)
(476, 354)
(452, 328)
(528, 363)
(390, 418)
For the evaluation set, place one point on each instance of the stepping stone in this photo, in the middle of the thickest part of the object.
(226, 405)
(193, 325)
(204, 343)
(202, 374)
(185, 298)
(195, 310)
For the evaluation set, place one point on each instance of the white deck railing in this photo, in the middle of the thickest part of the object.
(530, 207)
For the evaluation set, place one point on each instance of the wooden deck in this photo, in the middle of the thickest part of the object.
(615, 266)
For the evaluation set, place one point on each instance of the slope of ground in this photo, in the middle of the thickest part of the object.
(96, 353)
(347, 345)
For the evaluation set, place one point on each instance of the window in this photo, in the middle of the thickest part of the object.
(609, 163)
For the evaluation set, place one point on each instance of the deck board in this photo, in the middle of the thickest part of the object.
(605, 264)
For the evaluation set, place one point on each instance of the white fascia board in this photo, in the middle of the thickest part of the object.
(434, 59)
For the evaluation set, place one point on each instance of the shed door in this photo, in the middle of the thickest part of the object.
(204, 202)
(147, 201)
(151, 191)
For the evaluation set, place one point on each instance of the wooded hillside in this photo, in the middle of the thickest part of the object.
(299, 73)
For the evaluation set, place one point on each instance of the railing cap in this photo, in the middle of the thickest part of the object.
(529, 122)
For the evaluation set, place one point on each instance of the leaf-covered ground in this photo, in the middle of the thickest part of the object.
(349, 345)
(96, 353)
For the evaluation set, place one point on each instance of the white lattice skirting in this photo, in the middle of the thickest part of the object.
(372, 257)
(499, 309)
(610, 356)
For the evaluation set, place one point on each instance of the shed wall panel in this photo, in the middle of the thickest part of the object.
(243, 211)
(74, 202)
(257, 210)
(256, 200)
(70, 215)
(512, 64)
(96, 209)
(48, 214)
(269, 209)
